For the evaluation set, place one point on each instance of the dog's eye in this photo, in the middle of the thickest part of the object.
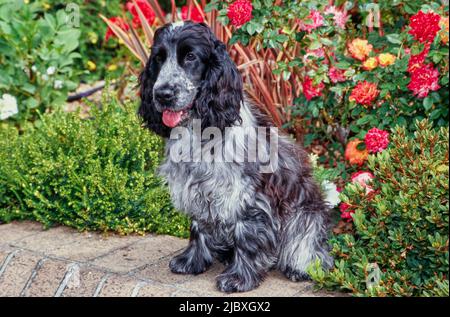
(159, 58)
(190, 57)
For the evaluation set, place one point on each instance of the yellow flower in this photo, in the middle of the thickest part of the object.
(91, 66)
(121, 41)
(26, 1)
(370, 63)
(112, 67)
(360, 49)
(46, 6)
(386, 59)
(93, 37)
(444, 29)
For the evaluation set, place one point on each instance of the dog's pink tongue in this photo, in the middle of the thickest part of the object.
(171, 118)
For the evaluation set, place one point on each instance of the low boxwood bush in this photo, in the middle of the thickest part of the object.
(94, 173)
(400, 242)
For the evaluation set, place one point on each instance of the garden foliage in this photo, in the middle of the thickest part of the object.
(98, 55)
(37, 55)
(401, 225)
(351, 66)
(96, 173)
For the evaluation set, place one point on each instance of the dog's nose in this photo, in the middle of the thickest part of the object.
(165, 94)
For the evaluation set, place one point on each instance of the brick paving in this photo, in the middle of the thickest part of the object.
(63, 262)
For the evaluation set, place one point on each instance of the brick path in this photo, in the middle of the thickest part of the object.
(64, 262)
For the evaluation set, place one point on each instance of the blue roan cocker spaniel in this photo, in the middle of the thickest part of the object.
(251, 219)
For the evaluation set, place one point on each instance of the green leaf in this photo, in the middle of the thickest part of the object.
(51, 21)
(394, 38)
(315, 45)
(436, 58)
(281, 38)
(256, 4)
(68, 39)
(428, 103)
(29, 88)
(342, 65)
(299, 36)
(32, 103)
(364, 120)
(251, 28)
(295, 62)
(277, 71)
(286, 75)
(326, 41)
(211, 6)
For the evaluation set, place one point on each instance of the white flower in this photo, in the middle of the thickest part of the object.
(51, 70)
(8, 106)
(34, 68)
(58, 84)
(313, 158)
(44, 77)
(331, 193)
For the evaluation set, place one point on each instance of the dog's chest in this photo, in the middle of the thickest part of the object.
(207, 191)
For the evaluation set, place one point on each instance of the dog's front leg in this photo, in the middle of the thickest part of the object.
(196, 258)
(254, 252)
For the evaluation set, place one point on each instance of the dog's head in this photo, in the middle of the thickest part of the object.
(189, 75)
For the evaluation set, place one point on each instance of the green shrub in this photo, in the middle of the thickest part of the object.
(37, 53)
(402, 227)
(96, 54)
(96, 173)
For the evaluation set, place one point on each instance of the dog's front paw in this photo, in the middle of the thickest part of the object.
(233, 282)
(296, 275)
(182, 264)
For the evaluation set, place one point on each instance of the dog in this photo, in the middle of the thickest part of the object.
(251, 221)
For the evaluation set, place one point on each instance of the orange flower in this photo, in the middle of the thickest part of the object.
(364, 93)
(386, 59)
(370, 63)
(360, 49)
(354, 155)
(443, 23)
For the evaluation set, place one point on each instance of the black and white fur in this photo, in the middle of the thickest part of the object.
(249, 220)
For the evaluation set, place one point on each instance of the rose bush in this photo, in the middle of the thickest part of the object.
(356, 66)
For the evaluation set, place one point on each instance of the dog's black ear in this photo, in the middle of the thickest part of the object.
(221, 94)
(152, 118)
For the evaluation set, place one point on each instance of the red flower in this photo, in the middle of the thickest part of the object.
(346, 212)
(363, 178)
(424, 79)
(120, 23)
(317, 21)
(311, 91)
(196, 15)
(416, 61)
(146, 9)
(336, 75)
(376, 140)
(364, 93)
(240, 12)
(424, 26)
